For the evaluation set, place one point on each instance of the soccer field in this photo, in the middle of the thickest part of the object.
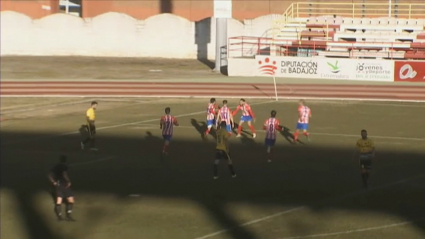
(127, 190)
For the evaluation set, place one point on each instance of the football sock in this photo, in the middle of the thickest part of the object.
(232, 171)
(239, 129)
(208, 131)
(93, 141)
(305, 134)
(69, 208)
(296, 136)
(58, 209)
(165, 148)
(364, 177)
(252, 129)
(215, 170)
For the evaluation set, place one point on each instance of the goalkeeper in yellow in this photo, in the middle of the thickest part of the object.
(222, 150)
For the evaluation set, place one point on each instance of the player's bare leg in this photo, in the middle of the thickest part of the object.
(251, 127)
(240, 128)
(208, 130)
(297, 132)
(306, 134)
(58, 208)
(165, 147)
(69, 207)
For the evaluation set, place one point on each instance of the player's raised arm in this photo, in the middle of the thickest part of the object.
(231, 119)
(236, 110)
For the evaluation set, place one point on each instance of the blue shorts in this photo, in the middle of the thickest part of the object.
(270, 142)
(229, 128)
(246, 118)
(302, 126)
(167, 137)
(210, 122)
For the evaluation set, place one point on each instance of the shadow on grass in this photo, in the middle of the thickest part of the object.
(315, 174)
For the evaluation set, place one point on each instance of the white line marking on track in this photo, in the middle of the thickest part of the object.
(356, 230)
(92, 161)
(304, 207)
(209, 96)
(115, 126)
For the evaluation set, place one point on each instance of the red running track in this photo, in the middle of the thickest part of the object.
(229, 90)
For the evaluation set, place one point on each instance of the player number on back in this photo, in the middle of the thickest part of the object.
(270, 127)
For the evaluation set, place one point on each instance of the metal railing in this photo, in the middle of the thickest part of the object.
(355, 10)
(249, 47)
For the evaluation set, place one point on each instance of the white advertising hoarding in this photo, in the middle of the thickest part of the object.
(325, 68)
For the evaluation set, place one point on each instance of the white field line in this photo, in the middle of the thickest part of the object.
(305, 207)
(210, 96)
(39, 106)
(356, 230)
(114, 126)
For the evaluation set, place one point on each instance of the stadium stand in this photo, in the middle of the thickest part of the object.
(353, 35)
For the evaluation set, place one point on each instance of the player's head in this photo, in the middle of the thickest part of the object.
(223, 124)
(273, 113)
(212, 100)
(364, 134)
(62, 159)
(224, 102)
(242, 101)
(94, 104)
(301, 102)
(167, 110)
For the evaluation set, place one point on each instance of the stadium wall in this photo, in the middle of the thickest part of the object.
(119, 35)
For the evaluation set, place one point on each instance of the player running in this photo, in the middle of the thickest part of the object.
(247, 116)
(304, 115)
(225, 115)
(211, 114)
(167, 124)
(222, 150)
(365, 152)
(271, 125)
(58, 176)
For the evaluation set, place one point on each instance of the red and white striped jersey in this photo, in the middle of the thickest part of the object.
(271, 125)
(211, 111)
(168, 122)
(246, 110)
(304, 114)
(225, 114)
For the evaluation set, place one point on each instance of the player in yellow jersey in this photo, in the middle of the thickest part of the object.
(222, 150)
(90, 118)
(365, 152)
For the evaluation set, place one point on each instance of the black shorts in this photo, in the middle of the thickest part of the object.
(91, 128)
(63, 192)
(366, 163)
(221, 154)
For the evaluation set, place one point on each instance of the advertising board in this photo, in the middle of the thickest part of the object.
(290, 67)
(409, 71)
(325, 68)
